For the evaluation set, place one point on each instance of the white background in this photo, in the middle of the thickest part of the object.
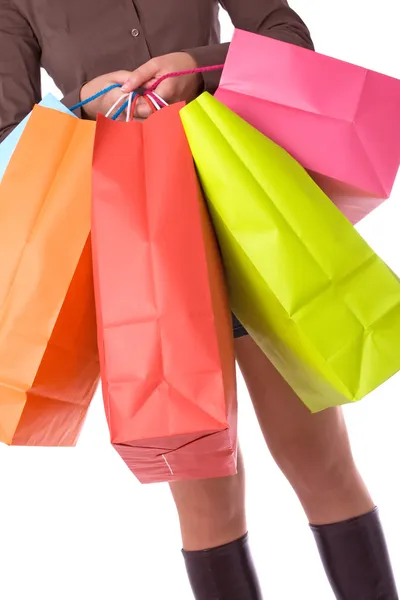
(74, 523)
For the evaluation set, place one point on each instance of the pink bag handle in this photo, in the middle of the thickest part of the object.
(178, 73)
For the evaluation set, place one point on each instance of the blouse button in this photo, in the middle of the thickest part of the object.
(135, 33)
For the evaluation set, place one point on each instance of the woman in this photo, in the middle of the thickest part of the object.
(86, 45)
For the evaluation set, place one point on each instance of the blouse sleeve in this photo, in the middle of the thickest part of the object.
(19, 68)
(272, 18)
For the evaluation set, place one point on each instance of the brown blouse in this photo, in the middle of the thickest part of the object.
(77, 40)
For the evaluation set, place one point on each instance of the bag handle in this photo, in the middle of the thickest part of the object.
(153, 100)
(132, 105)
(114, 106)
(160, 102)
(150, 92)
(95, 96)
(179, 73)
(157, 100)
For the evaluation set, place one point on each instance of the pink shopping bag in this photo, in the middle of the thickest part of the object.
(340, 121)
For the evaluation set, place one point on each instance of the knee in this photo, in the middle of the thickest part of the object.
(315, 469)
(206, 501)
(211, 502)
(211, 512)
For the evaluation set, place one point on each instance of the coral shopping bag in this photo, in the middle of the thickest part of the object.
(165, 332)
(48, 351)
(316, 298)
(340, 121)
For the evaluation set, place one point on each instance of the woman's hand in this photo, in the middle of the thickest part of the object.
(103, 103)
(177, 89)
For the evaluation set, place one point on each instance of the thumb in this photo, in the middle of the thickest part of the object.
(141, 76)
(120, 77)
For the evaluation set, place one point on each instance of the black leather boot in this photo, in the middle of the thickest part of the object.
(356, 559)
(223, 573)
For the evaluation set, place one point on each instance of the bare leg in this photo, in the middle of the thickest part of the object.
(216, 550)
(314, 453)
(312, 450)
(211, 511)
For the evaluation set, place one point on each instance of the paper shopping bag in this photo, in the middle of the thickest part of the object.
(8, 146)
(340, 121)
(48, 350)
(165, 334)
(316, 298)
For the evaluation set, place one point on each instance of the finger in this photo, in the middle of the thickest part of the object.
(120, 77)
(168, 90)
(143, 110)
(141, 76)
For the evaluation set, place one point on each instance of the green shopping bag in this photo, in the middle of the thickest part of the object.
(321, 304)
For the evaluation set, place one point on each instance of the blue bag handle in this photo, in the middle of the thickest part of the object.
(98, 95)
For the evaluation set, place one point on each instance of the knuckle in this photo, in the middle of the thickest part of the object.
(154, 62)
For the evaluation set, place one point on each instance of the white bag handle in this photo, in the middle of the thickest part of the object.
(117, 103)
(161, 100)
(156, 100)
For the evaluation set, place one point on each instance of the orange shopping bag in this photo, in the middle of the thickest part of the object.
(48, 351)
(165, 333)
